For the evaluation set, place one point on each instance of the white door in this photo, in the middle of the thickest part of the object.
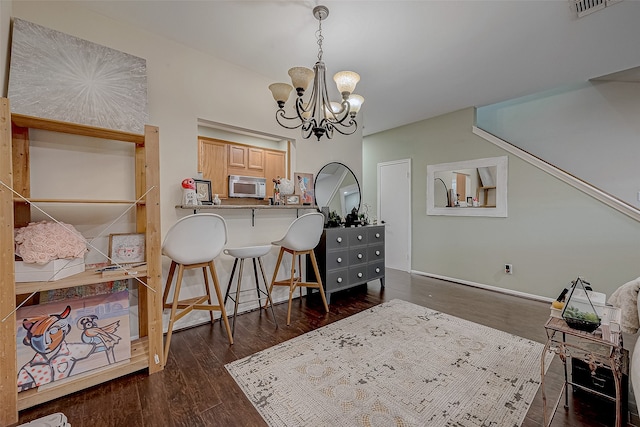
(394, 211)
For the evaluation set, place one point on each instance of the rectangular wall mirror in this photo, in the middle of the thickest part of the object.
(468, 188)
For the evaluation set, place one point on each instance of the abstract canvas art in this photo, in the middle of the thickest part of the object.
(56, 76)
(66, 338)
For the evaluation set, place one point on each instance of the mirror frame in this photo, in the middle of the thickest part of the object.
(315, 185)
(501, 164)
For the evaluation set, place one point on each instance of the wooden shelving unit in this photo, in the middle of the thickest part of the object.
(146, 352)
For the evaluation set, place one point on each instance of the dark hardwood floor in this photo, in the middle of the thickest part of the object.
(195, 389)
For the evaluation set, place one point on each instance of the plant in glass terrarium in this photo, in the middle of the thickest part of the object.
(579, 312)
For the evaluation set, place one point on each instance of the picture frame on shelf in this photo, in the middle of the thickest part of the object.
(304, 187)
(292, 199)
(126, 248)
(203, 191)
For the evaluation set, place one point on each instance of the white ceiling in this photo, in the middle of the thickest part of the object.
(417, 59)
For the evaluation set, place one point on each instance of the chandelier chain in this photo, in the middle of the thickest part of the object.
(320, 38)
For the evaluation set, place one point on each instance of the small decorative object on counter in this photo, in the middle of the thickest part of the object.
(276, 191)
(579, 312)
(286, 187)
(216, 200)
(334, 219)
(189, 195)
(352, 218)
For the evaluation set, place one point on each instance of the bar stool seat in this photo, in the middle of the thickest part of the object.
(240, 254)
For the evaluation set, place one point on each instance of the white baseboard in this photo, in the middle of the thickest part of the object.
(483, 286)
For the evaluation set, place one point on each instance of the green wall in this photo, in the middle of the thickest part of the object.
(552, 234)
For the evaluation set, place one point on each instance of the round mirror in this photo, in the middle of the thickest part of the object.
(337, 188)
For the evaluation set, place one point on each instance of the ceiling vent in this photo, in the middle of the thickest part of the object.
(585, 7)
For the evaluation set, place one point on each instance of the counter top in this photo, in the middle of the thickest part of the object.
(208, 207)
(252, 208)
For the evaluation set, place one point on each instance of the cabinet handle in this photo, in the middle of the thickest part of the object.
(377, 253)
(377, 235)
(339, 280)
(377, 269)
(339, 240)
(359, 275)
(339, 259)
(359, 236)
(359, 256)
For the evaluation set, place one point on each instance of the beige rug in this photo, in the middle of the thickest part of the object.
(396, 364)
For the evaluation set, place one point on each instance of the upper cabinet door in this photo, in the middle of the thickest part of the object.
(212, 162)
(256, 159)
(237, 156)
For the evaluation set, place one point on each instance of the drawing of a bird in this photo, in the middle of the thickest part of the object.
(102, 337)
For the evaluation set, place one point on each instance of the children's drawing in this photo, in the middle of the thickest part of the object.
(65, 338)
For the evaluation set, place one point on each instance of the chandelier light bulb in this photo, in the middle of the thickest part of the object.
(355, 102)
(301, 77)
(280, 92)
(346, 82)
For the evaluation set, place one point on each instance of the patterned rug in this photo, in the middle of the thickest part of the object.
(396, 364)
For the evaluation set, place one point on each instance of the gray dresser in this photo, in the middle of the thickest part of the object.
(348, 257)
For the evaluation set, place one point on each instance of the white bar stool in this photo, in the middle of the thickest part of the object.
(240, 254)
(301, 238)
(193, 242)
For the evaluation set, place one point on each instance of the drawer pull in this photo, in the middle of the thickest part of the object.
(339, 280)
(377, 253)
(377, 235)
(359, 236)
(359, 275)
(377, 269)
(359, 256)
(339, 259)
(339, 240)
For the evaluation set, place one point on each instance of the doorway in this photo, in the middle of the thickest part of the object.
(394, 211)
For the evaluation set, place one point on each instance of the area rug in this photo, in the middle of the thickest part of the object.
(396, 364)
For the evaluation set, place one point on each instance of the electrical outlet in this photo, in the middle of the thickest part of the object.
(508, 269)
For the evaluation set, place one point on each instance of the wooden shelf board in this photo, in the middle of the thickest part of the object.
(139, 360)
(79, 201)
(76, 129)
(88, 277)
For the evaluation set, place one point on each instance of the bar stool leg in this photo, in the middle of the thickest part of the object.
(237, 299)
(233, 270)
(223, 311)
(269, 300)
(275, 273)
(208, 289)
(255, 275)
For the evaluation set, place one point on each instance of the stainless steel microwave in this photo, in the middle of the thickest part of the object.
(247, 186)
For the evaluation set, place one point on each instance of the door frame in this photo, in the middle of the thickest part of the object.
(409, 204)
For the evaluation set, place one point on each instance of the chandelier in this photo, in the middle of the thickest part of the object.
(318, 115)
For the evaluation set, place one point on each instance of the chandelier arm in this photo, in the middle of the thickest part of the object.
(352, 124)
(280, 114)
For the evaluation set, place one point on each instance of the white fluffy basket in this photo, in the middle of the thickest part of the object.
(286, 186)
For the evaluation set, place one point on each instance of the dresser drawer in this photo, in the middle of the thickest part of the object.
(337, 238)
(358, 255)
(375, 253)
(376, 235)
(336, 279)
(358, 274)
(358, 236)
(337, 259)
(375, 270)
